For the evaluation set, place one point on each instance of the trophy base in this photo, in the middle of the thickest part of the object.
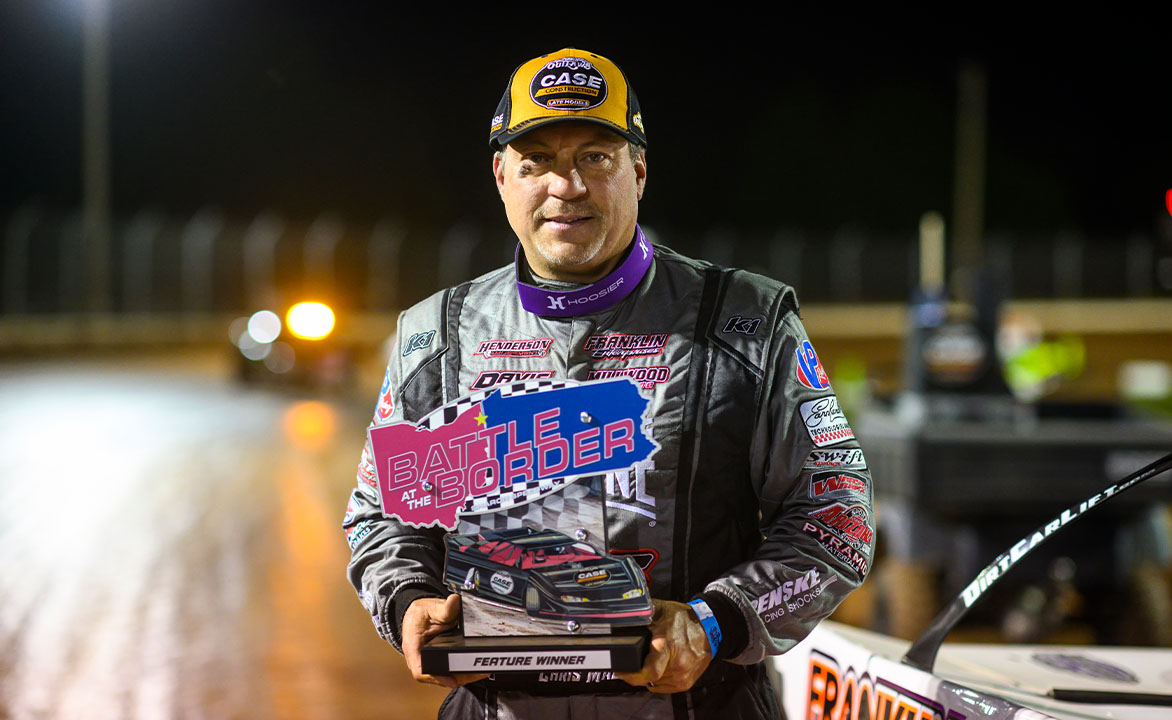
(453, 653)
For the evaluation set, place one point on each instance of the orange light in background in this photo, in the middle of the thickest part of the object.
(310, 424)
(310, 320)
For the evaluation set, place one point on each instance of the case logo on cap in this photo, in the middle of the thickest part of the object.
(569, 83)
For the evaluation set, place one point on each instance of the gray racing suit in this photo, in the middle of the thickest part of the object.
(758, 498)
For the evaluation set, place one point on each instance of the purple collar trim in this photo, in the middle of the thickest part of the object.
(601, 295)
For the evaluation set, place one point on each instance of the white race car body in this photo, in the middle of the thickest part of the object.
(844, 673)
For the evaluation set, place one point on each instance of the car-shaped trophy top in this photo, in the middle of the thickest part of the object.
(549, 575)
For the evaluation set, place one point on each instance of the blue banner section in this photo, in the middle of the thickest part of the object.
(580, 430)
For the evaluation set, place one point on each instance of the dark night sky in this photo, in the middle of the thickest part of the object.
(306, 107)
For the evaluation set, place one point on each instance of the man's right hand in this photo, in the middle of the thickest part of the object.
(424, 619)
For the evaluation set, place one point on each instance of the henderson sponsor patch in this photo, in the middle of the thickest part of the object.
(492, 378)
(825, 421)
(836, 484)
(535, 348)
(837, 547)
(622, 346)
(851, 459)
(849, 522)
(647, 377)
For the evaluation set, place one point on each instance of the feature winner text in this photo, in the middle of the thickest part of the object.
(530, 660)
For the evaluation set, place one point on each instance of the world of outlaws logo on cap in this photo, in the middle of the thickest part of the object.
(569, 83)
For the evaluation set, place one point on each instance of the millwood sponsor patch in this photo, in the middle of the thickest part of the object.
(647, 377)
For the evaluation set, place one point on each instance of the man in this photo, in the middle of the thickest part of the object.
(753, 517)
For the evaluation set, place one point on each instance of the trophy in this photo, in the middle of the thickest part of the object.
(515, 475)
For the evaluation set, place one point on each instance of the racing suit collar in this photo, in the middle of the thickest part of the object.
(592, 298)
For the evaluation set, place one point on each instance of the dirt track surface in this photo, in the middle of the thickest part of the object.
(171, 547)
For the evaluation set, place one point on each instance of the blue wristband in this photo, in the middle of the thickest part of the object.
(708, 622)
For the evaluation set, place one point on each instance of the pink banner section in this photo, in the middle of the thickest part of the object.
(424, 475)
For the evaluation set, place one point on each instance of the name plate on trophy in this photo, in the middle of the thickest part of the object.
(515, 475)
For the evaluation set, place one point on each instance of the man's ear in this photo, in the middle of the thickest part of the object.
(640, 174)
(498, 171)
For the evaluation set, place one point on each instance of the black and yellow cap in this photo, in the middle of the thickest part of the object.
(567, 85)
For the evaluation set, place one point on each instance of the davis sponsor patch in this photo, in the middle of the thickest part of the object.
(647, 377)
(837, 547)
(418, 341)
(569, 83)
(535, 348)
(809, 368)
(492, 378)
(835, 485)
(825, 421)
(850, 522)
(621, 346)
(843, 459)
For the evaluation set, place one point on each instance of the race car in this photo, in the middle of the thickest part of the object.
(840, 672)
(547, 575)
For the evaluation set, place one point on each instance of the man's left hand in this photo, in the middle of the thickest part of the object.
(679, 651)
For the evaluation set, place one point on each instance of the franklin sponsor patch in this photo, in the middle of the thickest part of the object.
(836, 485)
(621, 346)
(569, 83)
(647, 377)
(840, 459)
(492, 378)
(535, 348)
(825, 422)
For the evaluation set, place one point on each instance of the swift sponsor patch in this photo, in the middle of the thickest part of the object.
(825, 421)
(809, 368)
(492, 378)
(835, 485)
(841, 459)
(647, 377)
(622, 346)
(535, 348)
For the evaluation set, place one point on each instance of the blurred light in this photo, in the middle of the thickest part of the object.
(310, 424)
(236, 330)
(252, 349)
(264, 326)
(281, 359)
(310, 320)
(1168, 200)
(1145, 379)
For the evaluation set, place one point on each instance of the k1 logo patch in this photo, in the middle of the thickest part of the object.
(418, 341)
(742, 325)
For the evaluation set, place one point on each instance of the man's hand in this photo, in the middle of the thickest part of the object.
(679, 651)
(424, 619)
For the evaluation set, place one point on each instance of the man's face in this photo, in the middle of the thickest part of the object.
(571, 193)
